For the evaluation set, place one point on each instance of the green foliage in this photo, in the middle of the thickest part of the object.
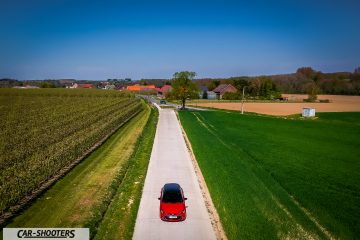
(240, 83)
(312, 92)
(183, 87)
(45, 130)
(47, 85)
(117, 224)
(204, 95)
(231, 96)
(263, 88)
(274, 177)
(211, 85)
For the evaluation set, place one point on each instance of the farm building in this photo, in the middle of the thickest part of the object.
(224, 88)
(86, 85)
(138, 87)
(211, 95)
(202, 90)
(163, 90)
(79, 85)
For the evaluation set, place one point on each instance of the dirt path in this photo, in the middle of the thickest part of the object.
(337, 104)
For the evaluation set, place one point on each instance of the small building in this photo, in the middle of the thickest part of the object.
(26, 87)
(163, 90)
(211, 95)
(202, 90)
(109, 87)
(308, 112)
(224, 88)
(85, 85)
(138, 87)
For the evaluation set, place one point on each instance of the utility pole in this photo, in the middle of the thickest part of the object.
(242, 101)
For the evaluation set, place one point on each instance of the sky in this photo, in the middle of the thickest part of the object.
(95, 40)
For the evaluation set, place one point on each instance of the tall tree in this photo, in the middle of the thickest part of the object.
(183, 87)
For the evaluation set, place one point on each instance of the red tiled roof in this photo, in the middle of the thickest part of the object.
(85, 85)
(165, 88)
(138, 87)
(223, 88)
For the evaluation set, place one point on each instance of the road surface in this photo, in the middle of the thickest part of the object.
(170, 162)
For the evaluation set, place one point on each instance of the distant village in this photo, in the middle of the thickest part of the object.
(304, 81)
(161, 88)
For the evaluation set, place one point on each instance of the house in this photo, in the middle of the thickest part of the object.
(103, 85)
(224, 88)
(211, 95)
(109, 87)
(26, 87)
(163, 90)
(85, 85)
(73, 85)
(67, 83)
(138, 87)
(202, 90)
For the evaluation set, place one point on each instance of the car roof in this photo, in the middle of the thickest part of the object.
(172, 187)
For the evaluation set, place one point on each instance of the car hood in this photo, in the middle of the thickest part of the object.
(172, 208)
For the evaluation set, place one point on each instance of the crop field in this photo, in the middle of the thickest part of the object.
(277, 178)
(45, 131)
(294, 106)
(103, 191)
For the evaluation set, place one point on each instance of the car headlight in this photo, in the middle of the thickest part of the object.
(184, 210)
(161, 211)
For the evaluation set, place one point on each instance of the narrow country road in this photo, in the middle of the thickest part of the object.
(170, 162)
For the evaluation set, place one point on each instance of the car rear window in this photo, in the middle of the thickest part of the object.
(172, 197)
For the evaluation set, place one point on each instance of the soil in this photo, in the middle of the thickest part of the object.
(338, 103)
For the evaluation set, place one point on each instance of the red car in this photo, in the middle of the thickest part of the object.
(172, 203)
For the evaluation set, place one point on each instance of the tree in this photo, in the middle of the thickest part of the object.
(312, 90)
(306, 71)
(204, 95)
(211, 86)
(183, 87)
(263, 88)
(240, 83)
(47, 85)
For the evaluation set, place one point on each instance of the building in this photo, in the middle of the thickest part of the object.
(308, 112)
(26, 87)
(202, 90)
(224, 88)
(163, 90)
(84, 85)
(211, 95)
(138, 87)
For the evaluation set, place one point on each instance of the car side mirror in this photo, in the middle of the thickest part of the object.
(185, 198)
(159, 198)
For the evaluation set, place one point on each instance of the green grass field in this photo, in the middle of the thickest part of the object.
(87, 193)
(274, 178)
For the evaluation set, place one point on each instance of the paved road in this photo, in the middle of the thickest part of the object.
(170, 162)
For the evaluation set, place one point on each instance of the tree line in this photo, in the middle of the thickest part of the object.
(305, 80)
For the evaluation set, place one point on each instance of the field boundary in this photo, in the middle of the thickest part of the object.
(214, 216)
(131, 184)
(13, 210)
(117, 182)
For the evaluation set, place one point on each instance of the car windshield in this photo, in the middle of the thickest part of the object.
(172, 197)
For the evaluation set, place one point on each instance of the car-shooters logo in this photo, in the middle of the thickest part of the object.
(46, 233)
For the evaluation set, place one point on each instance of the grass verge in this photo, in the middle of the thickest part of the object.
(120, 217)
(275, 178)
